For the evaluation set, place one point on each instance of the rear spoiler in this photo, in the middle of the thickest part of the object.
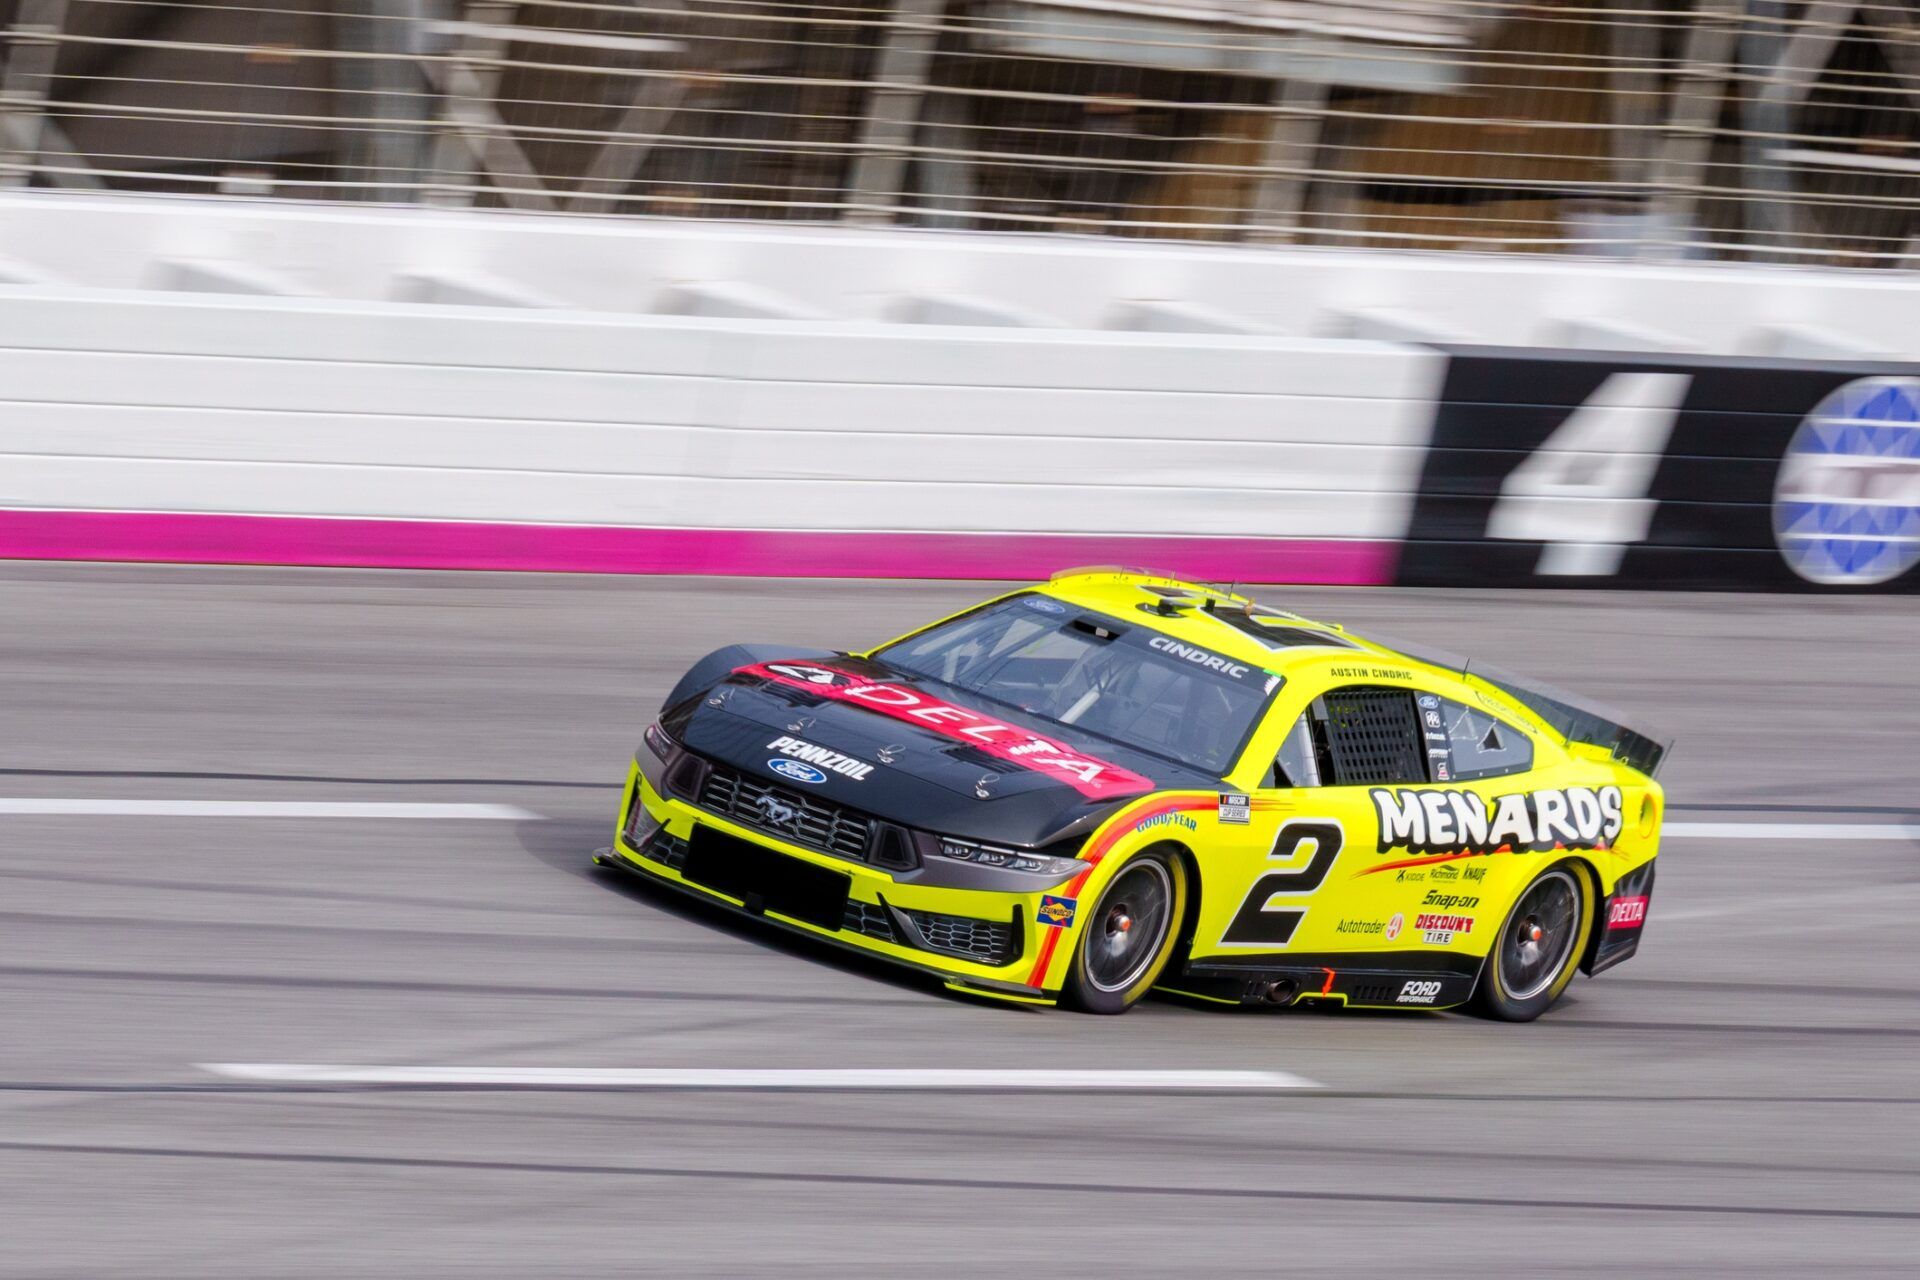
(1576, 719)
(1587, 723)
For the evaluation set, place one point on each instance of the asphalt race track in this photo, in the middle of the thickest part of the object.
(1742, 1099)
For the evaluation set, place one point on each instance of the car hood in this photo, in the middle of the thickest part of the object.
(917, 752)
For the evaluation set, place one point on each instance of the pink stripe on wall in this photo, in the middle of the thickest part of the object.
(192, 538)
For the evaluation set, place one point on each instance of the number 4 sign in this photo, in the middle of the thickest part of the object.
(1583, 492)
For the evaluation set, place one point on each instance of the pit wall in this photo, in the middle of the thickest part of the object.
(190, 392)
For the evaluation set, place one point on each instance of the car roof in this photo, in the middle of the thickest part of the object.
(1211, 617)
(1225, 622)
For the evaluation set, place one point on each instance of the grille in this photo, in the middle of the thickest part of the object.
(985, 941)
(668, 850)
(1374, 736)
(785, 813)
(869, 918)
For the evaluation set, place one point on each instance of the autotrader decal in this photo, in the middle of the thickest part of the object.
(1091, 777)
(1464, 823)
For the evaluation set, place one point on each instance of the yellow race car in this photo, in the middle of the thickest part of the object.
(1117, 782)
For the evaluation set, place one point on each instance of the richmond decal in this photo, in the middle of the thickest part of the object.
(1446, 821)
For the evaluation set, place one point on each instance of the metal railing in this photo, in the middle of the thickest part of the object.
(1663, 128)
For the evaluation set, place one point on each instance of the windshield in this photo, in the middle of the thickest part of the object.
(1131, 685)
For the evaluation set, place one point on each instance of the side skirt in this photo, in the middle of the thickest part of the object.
(1381, 980)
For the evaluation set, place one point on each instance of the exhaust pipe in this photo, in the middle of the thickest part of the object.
(1281, 992)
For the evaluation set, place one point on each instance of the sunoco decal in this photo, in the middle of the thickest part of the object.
(1464, 822)
(1089, 776)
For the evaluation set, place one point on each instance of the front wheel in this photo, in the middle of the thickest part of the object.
(1126, 940)
(1539, 946)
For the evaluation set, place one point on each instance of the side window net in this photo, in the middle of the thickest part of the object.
(1371, 736)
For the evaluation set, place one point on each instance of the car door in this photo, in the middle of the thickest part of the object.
(1292, 889)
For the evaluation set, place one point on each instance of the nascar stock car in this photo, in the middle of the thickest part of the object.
(1118, 781)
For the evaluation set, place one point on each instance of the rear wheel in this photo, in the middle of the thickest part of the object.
(1539, 946)
(1126, 940)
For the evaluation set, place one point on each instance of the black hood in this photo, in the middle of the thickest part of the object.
(919, 776)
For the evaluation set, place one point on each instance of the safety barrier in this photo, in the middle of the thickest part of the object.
(1746, 129)
(169, 426)
(232, 381)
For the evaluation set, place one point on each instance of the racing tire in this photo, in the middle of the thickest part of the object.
(1125, 941)
(1539, 945)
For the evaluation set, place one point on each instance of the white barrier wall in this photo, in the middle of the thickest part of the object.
(835, 272)
(313, 385)
(175, 403)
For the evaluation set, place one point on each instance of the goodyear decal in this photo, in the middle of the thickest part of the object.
(1181, 820)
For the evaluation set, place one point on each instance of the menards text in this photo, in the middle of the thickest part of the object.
(1450, 821)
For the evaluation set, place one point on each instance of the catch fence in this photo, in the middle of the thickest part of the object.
(1660, 129)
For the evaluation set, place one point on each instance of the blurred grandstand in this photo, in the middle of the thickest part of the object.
(1656, 128)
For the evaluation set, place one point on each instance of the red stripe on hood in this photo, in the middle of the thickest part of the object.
(1086, 774)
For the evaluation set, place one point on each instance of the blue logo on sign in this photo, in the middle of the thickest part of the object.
(1044, 605)
(797, 771)
(1846, 505)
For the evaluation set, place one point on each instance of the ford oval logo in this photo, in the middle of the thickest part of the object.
(797, 771)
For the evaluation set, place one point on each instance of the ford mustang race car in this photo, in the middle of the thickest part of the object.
(1117, 782)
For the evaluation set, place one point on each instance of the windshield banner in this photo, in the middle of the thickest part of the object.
(1091, 777)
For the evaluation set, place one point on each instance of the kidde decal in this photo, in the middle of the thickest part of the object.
(1627, 913)
(1463, 822)
(1090, 777)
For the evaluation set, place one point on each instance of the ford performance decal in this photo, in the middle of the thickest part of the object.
(1091, 777)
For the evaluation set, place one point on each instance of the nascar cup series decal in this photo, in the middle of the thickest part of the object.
(1846, 503)
(1463, 823)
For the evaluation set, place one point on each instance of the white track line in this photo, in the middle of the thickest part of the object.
(1793, 830)
(857, 1078)
(263, 809)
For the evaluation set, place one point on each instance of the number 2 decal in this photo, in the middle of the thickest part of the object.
(1256, 926)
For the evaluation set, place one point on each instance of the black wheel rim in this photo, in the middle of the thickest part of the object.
(1130, 924)
(1539, 939)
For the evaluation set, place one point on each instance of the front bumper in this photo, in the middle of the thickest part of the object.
(985, 941)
